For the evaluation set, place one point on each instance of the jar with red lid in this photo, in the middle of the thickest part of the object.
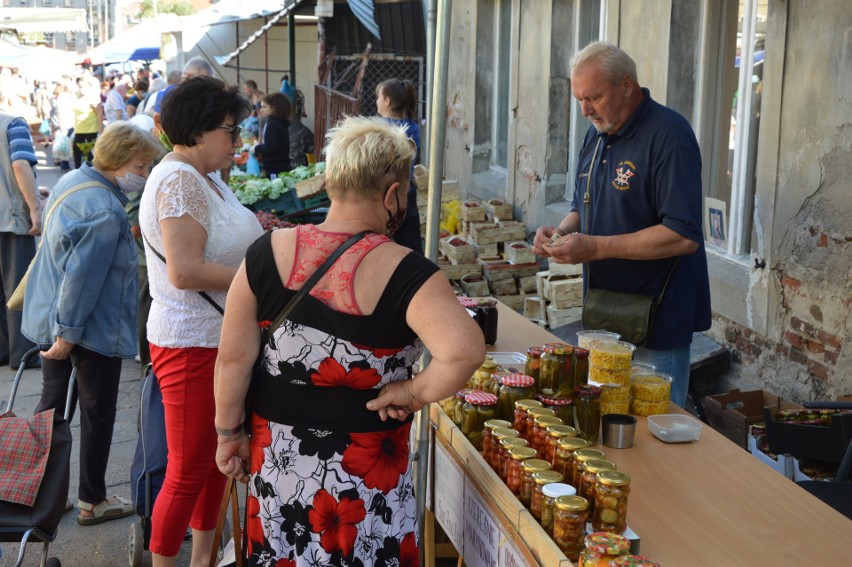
(479, 407)
(519, 421)
(498, 435)
(538, 437)
(554, 434)
(562, 407)
(487, 437)
(514, 473)
(580, 458)
(587, 412)
(515, 387)
(540, 480)
(588, 480)
(532, 415)
(602, 548)
(563, 460)
(506, 445)
(533, 363)
(581, 366)
(569, 524)
(528, 469)
(557, 372)
(610, 512)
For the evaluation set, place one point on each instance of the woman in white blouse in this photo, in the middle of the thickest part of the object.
(196, 234)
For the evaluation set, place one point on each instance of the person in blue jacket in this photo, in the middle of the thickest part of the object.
(273, 151)
(396, 101)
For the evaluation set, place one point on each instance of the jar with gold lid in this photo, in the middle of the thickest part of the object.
(602, 548)
(498, 435)
(506, 445)
(528, 469)
(532, 367)
(540, 480)
(561, 407)
(550, 492)
(479, 407)
(569, 524)
(519, 421)
(515, 387)
(610, 511)
(563, 459)
(538, 437)
(554, 434)
(517, 457)
(580, 458)
(588, 480)
(487, 437)
(557, 371)
(532, 415)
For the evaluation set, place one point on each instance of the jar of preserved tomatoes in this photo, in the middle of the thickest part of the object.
(538, 437)
(506, 445)
(581, 366)
(515, 387)
(580, 458)
(562, 407)
(519, 421)
(533, 364)
(498, 435)
(540, 480)
(569, 524)
(479, 407)
(517, 457)
(602, 548)
(611, 491)
(587, 412)
(532, 415)
(588, 480)
(554, 434)
(487, 437)
(528, 469)
(563, 459)
(550, 492)
(557, 372)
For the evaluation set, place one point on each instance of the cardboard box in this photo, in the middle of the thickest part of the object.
(782, 464)
(816, 442)
(731, 414)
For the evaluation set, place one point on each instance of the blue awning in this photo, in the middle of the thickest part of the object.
(364, 10)
(145, 54)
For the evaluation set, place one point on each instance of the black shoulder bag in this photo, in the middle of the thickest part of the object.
(631, 315)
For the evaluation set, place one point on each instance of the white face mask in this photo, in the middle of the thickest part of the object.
(130, 182)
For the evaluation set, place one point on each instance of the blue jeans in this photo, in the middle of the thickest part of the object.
(674, 362)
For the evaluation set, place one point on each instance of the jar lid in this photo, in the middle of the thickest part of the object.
(634, 561)
(535, 465)
(588, 454)
(580, 352)
(612, 477)
(571, 443)
(463, 392)
(518, 380)
(527, 404)
(499, 376)
(468, 302)
(547, 477)
(560, 431)
(540, 412)
(502, 432)
(535, 351)
(554, 401)
(598, 465)
(496, 424)
(558, 348)
(546, 421)
(522, 453)
(572, 503)
(607, 543)
(587, 391)
(557, 489)
(480, 398)
(512, 442)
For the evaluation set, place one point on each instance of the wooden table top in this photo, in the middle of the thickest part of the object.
(710, 502)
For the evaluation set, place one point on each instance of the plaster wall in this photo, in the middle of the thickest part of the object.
(462, 101)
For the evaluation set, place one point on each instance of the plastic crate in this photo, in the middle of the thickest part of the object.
(287, 202)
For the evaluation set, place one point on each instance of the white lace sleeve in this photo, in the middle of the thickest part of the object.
(182, 193)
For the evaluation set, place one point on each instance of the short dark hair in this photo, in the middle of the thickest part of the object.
(141, 85)
(280, 104)
(199, 105)
(252, 84)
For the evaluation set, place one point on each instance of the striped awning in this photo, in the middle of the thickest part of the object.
(364, 10)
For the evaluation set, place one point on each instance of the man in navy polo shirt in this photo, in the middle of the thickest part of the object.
(644, 208)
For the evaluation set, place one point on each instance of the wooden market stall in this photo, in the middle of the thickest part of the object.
(702, 503)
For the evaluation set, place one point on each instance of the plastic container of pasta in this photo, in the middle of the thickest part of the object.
(585, 338)
(611, 354)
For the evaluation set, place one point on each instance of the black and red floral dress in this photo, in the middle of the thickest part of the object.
(331, 484)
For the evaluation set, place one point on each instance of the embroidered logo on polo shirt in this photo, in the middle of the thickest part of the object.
(623, 173)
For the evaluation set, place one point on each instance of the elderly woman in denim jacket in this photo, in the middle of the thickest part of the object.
(81, 301)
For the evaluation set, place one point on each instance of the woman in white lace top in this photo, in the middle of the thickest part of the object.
(196, 234)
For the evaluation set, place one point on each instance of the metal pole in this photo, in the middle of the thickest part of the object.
(438, 130)
(426, 135)
(291, 38)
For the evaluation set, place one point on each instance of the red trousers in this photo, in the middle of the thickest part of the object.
(193, 488)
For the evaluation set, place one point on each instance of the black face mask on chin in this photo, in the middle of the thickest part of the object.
(395, 220)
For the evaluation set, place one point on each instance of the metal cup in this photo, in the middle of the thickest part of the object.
(618, 430)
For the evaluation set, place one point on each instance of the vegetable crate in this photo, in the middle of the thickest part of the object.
(287, 202)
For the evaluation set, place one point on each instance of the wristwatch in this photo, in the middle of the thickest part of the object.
(230, 432)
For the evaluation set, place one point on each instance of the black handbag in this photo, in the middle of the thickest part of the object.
(631, 315)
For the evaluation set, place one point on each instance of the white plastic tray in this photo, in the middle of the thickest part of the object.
(674, 428)
(516, 360)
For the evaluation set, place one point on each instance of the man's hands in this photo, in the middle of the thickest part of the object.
(35, 220)
(59, 350)
(542, 240)
(573, 248)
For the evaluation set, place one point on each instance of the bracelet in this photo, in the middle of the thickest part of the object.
(230, 432)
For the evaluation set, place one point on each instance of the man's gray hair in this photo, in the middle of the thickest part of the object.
(198, 65)
(614, 61)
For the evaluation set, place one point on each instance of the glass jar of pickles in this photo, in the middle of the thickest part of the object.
(610, 511)
(532, 367)
(481, 379)
(563, 459)
(550, 492)
(569, 524)
(561, 406)
(581, 366)
(538, 437)
(455, 406)
(587, 412)
(532, 415)
(519, 420)
(588, 480)
(540, 480)
(479, 407)
(506, 445)
(517, 457)
(554, 434)
(528, 468)
(515, 387)
(496, 382)
(488, 442)
(602, 548)
(580, 458)
(557, 373)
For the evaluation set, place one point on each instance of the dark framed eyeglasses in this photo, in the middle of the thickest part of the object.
(234, 131)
